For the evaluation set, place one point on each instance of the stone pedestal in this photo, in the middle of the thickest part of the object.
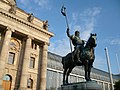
(90, 85)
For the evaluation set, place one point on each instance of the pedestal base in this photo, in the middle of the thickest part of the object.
(90, 85)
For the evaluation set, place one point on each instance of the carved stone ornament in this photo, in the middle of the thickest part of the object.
(12, 3)
(30, 17)
(12, 9)
(45, 25)
(14, 45)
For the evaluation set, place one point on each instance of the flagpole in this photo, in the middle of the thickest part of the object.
(66, 21)
(63, 11)
(109, 68)
(68, 28)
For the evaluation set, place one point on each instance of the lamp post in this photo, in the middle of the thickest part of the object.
(109, 68)
(118, 63)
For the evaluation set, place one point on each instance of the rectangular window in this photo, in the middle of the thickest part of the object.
(29, 83)
(32, 62)
(11, 58)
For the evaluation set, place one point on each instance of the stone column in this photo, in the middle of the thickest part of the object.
(4, 54)
(43, 68)
(24, 76)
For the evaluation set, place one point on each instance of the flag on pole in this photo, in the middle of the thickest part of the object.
(63, 10)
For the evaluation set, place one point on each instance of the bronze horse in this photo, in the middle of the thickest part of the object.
(86, 56)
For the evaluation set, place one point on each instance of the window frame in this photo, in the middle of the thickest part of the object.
(32, 63)
(30, 83)
(11, 56)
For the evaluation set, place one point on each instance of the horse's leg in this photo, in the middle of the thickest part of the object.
(86, 70)
(68, 73)
(89, 74)
(64, 74)
(86, 76)
(89, 71)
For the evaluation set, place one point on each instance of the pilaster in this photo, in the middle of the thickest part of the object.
(24, 77)
(43, 67)
(4, 53)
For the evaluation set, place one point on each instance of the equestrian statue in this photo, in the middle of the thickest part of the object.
(83, 55)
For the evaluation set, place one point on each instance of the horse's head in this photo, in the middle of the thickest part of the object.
(92, 40)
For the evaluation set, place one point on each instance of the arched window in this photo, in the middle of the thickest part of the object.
(30, 83)
(14, 44)
(7, 80)
(13, 50)
(7, 77)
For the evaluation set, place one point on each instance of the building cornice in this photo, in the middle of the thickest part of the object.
(24, 22)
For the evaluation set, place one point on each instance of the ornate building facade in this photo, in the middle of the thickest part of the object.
(23, 49)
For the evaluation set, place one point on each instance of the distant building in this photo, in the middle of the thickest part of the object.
(23, 49)
(55, 74)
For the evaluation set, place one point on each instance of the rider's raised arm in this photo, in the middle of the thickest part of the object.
(68, 33)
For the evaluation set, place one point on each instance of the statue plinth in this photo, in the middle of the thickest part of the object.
(89, 85)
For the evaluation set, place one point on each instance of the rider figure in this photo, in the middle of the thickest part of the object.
(77, 42)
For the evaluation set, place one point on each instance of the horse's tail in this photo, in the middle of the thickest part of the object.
(63, 62)
(62, 59)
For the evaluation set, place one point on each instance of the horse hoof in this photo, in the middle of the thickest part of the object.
(88, 80)
(65, 83)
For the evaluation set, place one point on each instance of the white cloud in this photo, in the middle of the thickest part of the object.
(42, 3)
(111, 41)
(92, 12)
(24, 2)
(88, 20)
(60, 47)
(100, 63)
(115, 41)
(75, 17)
